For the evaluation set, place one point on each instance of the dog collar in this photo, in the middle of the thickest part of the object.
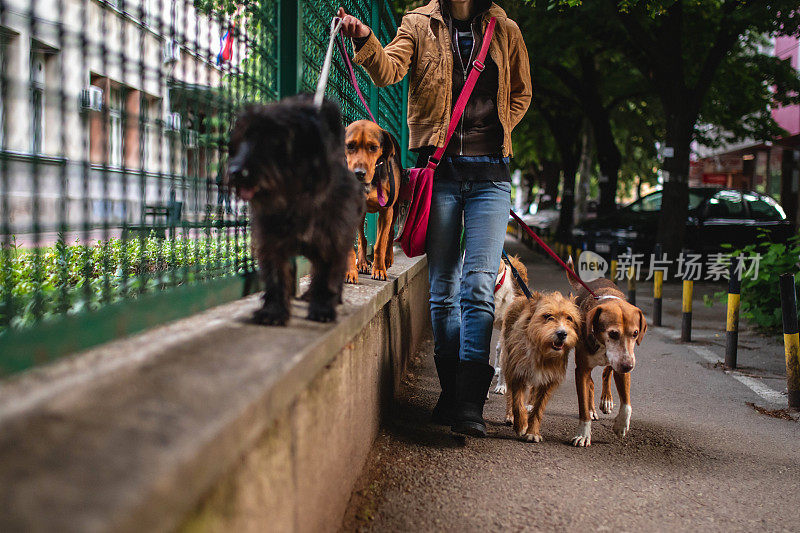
(608, 297)
(500, 283)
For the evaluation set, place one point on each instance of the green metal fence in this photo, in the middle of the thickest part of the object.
(113, 129)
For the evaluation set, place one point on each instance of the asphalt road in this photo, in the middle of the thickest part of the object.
(697, 457)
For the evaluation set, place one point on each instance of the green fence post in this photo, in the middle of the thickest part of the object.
(290, 42)
(290, 71)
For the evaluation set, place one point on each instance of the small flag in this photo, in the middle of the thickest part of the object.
(226, 45)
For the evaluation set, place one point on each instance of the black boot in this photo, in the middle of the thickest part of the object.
(472, 384)
(446, 368)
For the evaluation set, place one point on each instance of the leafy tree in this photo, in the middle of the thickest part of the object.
(580, 51)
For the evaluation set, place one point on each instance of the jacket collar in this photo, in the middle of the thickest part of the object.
(433, 9)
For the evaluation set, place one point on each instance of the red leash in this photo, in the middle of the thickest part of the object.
(352, 75)
(551, 253)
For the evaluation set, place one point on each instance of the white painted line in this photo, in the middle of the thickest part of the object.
(705, 353)
(766, 393)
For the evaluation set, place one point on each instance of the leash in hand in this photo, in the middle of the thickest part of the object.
(351, 73)
(336, 25)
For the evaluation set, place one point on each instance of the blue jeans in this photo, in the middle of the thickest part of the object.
(462, 284)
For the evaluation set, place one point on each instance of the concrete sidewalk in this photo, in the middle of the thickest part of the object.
(698, 456)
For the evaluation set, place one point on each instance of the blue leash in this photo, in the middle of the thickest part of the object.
(517, 277)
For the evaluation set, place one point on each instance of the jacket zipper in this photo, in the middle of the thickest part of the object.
(464, 73)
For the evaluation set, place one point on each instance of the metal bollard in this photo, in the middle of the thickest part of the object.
(686, 322)
(791, 342)
(732, 322)
(658, 286)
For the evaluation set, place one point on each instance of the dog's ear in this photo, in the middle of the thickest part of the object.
(642, 328)
(387, 145)
(591, 327)
(573, 283)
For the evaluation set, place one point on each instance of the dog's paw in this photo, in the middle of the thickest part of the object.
(364, 266)
(321, 312)
(306, 296)
(379, 273)
(530, 437)
(584, 436)
(351, 276)
(271, 315)
(623, 420)
(500, 388)
(593, 414)
(606, 404)
(509, 420)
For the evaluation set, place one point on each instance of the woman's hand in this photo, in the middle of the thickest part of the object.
(351, 26)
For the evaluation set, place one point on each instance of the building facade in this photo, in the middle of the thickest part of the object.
(107, 108)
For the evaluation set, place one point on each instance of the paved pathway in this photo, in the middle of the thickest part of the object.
(698, 457)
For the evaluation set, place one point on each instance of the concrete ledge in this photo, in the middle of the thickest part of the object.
(211, 423)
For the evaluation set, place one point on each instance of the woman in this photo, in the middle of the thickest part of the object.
(436, 44)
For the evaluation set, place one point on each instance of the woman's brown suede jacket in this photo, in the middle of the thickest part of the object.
(422, 47)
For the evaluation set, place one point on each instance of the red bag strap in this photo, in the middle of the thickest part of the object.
(461, 103)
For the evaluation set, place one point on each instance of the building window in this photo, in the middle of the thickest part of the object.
(37, 77)
(116, 108)
(148, 129)
(6, 37)
(150, 13)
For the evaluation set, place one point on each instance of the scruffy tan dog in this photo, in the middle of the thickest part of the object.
(537, 337)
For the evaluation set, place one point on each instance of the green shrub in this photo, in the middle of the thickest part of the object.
(761, 299)
(39, 283)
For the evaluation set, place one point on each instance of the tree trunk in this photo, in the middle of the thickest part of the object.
(675, 199)
(609, 159)
(551, 172)
(608, 155)
(585, 172)
(567, 213)
(566, 129)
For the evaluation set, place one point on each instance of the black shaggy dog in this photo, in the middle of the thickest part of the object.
(287, 159)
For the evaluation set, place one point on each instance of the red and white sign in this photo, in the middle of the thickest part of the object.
(715, 179)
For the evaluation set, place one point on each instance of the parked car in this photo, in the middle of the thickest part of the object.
(541, 216)
(716, 216)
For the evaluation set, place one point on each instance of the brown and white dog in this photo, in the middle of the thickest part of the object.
(612, 327)
(537, 336)
(373, 155)
(505, 290)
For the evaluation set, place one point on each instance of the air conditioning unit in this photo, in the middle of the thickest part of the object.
(172, 122)
(171, 52)
(190, 138)
(92, 98)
